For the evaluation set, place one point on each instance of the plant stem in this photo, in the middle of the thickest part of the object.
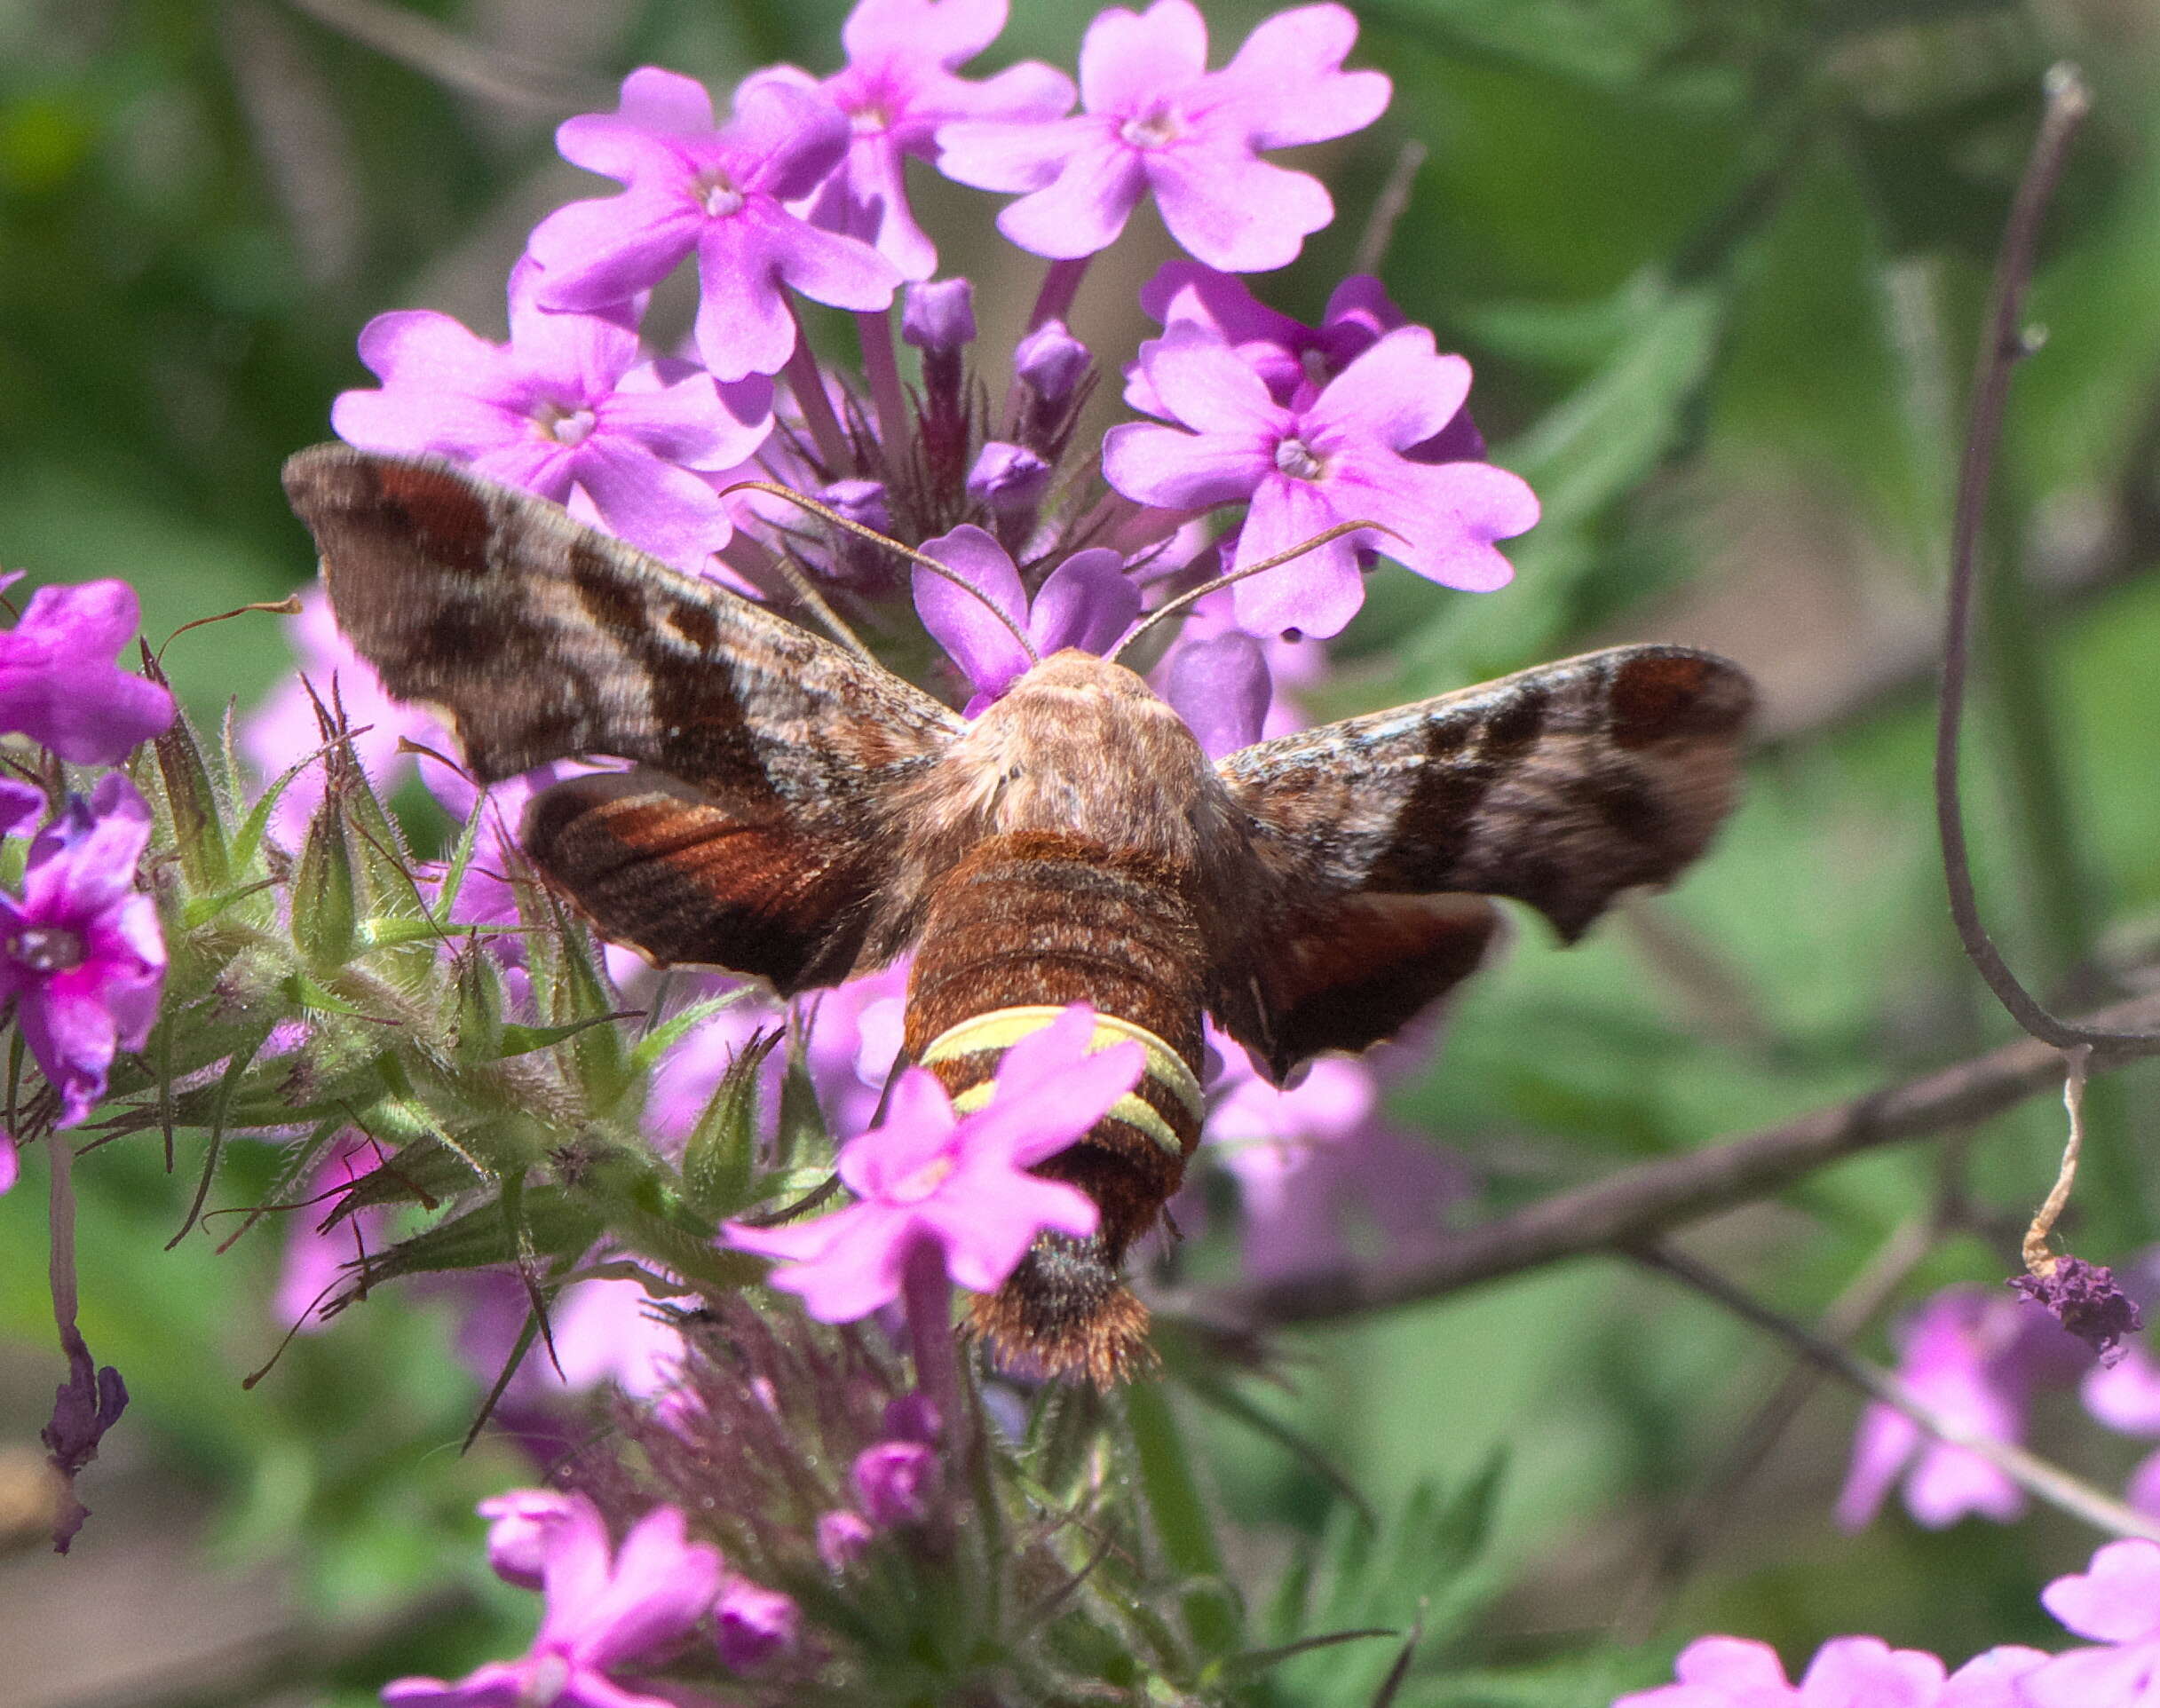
(881, 366)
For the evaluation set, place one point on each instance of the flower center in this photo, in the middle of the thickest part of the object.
(912, 1188)
(1295, 458)
(870, 120)
(1153, 127)
(550, 1678)
(716, 193)
(48, 948)
(564, 426)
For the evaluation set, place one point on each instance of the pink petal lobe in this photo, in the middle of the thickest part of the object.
(1316, 594)
(985, 648)
(1233, 212)
(1401, 392)
(1180, 471)
(1087, 601)
(743, 325)
(596, 253)
(2115, 1599)
(998, 154)
(1300, 52)
(1127, 60)
(1084, 209)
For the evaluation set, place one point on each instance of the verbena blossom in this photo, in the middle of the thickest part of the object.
(721, 191)
(1290, 357)
(2115, 1603)
(898, 87)
(958, 1183)
(608, 1612)
(1333, 457)
(59, 685)
(1156, 119)
(82, 956)
(569, 408)
(1974, 1357)
(2125, 1397)
(1086, 602)
(521, 1526)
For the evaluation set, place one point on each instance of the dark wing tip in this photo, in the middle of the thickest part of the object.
(1661, 692)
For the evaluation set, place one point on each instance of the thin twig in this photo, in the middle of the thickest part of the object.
(1675, 1552)
(2004, 344)
(455, 61)
(1641, 1203)
(2044, 1481)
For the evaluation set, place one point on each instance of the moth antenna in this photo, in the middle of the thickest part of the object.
(806, 591)
(909, 552)
(1171, 607)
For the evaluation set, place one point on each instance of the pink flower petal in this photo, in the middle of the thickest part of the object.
(1867, 1672)
(1125, 60)
(1232, 211)
(1400, 391)
(1001, 155)
(2117, 1599)
(1084, 209)
(984, 648)
(1286, 84)
(1316, 594)
(595, 253)
(1222, 688)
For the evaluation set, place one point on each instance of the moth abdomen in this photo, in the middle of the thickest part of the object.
(1024, 926)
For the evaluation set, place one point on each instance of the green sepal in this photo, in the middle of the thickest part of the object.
(645, 1054)
(546, 1221)
(192, 798)
(326, 890)
(721, 1156)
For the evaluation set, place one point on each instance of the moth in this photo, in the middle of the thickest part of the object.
(794, 812)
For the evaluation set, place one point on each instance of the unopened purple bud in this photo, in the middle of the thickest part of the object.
(843, 1537)
(896, 1481)
(1049, 362)
(940, 316)
(754, 1624)
(1007, 479)
(520, 1524)
(913, 1417)
(2087, 1301)
(860, 501)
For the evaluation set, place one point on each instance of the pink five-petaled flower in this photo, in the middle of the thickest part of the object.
(1974, 1357)
(1086, 602)
(568, 408)
(956, 1182)
(2114, 1601)
(898, 87)
(1291, 357)
(720, 192)
(1334, 456)
(602, 1617)
(59, 685)
(1157, 118)
(81, 954)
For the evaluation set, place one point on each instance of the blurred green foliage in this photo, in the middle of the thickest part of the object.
(1718, 264)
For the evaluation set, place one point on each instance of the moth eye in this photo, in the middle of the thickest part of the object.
(1014, 773)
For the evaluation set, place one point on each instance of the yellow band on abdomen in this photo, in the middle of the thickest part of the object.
(1001, 1028)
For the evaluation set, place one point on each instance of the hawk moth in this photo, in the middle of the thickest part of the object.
(794, 812)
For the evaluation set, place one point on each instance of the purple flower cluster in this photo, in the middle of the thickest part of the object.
(2115, 1604)
(81, 954)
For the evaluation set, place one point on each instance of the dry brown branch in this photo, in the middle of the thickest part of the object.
(1642, 1202)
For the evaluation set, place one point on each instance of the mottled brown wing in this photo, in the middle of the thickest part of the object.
(537, 639)
(1561, 786)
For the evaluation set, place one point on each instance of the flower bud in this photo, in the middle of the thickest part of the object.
(754, 1624)
(854, 562)
(896, 1481)
(939, 318)
(1008, 479)
(1049, 362)
(843, 1537)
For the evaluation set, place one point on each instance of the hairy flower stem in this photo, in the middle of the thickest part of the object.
(928, 1296)
(806, 383)
(873, 328)
(1060, 286)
